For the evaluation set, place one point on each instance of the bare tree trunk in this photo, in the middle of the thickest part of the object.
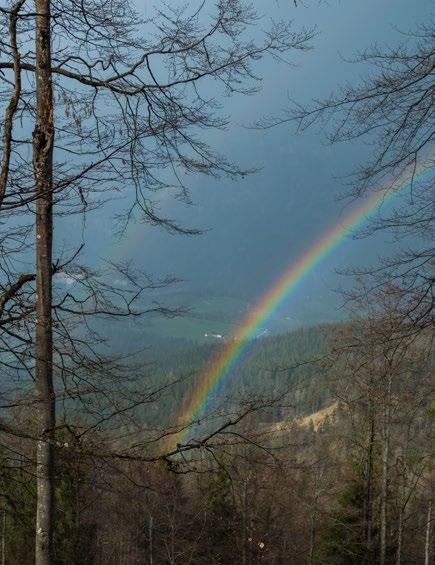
(312, 535)
(43, 138)
(427, 552)
(4, 538)
(313, 520)
(385, 464)
(399, 536)
(244, 520)
(369, 485)
(150, 530)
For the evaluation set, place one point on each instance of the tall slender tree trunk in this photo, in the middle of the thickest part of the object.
(399, 536)
(244, 520)
(150, 531)
(313, 512)
(427, 544)
(369, 482)
(43, 138)
(385, 470)
(4, 537)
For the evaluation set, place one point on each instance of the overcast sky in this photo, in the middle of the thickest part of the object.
(257, 227)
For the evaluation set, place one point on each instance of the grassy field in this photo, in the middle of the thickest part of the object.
(185, 327)
(215, 314)
(211, 314)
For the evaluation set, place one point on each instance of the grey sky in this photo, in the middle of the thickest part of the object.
(260, 225)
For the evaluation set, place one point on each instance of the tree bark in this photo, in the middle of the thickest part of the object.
(399, 536)
(244, 520)
(43, 138)
(427, 544)
(385, 470)
(369, 481)
(311, 558)
(4, 537)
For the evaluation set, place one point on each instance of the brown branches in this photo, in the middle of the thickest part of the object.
(109, 104)
(15, 98)
(392, 110)
(13, 290)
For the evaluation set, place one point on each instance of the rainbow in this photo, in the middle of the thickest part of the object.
(220, 368)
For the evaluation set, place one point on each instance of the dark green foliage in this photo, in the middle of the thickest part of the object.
(73, 535)
(269, 365)
(18, 490)
(343, 540)
(222, 516)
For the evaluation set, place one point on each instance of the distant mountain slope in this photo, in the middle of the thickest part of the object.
(316, 420)
(289, 360)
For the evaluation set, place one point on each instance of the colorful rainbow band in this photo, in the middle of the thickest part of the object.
(221, 366)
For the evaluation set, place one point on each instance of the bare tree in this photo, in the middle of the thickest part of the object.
(392, 111)
(43, 145)
(109, 101)
(384, 386)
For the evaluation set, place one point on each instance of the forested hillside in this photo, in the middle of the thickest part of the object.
(314, 491)
(288, 362)
(216, 282)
